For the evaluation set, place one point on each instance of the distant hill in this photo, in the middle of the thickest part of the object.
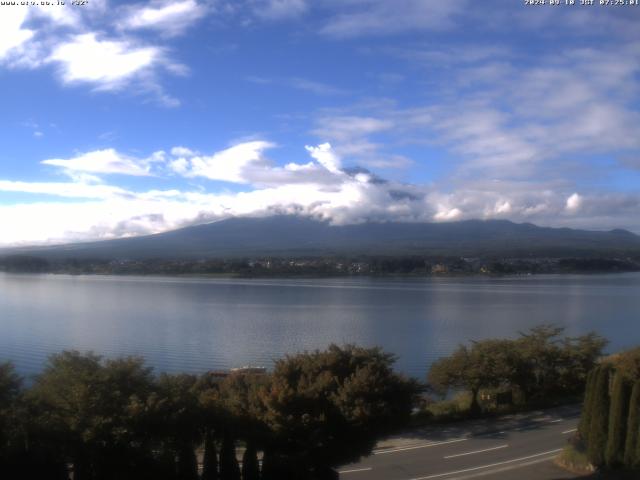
(298, 236)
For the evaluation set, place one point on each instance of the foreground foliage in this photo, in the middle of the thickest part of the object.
(610, 421)
(113, 419)
(540, 364)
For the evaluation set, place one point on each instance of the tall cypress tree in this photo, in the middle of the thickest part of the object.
(210, 460)
(618, 416)
(599, 427)
(250, 467)
(187, 463)
(585, 417)
(229, 468)
(633, 427)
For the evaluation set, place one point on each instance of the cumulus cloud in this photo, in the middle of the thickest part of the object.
(325, 155)
(107, 63)
(246, 163)
(230, 165)
(321, 188)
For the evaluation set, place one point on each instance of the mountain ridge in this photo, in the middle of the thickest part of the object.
(296, 236)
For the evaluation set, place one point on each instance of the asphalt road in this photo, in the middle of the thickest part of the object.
(518, 447)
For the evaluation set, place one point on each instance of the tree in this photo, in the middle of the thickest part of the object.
(328, 408)
(540, 359)
(172, 415)
(81, 408)
(229, 468)
(250, 466)
(487, 364)
(578, 357)
(187, 465)
(633, 428)
(598, 429)
(628, 363)
(210, 460)
(618, 416)
(587, 407)
(10, 419)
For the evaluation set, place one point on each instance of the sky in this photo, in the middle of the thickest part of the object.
(128, 118)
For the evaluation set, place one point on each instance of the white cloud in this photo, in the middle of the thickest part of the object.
(246, 163)
(107, 161)
(182, 152)
(107, 63)
(68, 190)
(445, 214)
(319, 189)
(574, 202)
(230, 165)
(13, 35)
(73, 39)
(169, 17)
(326, 157)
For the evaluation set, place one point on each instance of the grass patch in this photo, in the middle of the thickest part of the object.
(574, 458)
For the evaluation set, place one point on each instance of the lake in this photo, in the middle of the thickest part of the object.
(198, 324)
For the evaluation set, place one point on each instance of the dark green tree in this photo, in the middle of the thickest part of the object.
(10, 390)
(628, 363)
(275, 467)
(599, 428)
(172, 415)
(633, 428)
(250, 466)
(540, 358)
(210, 459)
(578, 357)
(229, 468)
(187, 464)
(587, 406)
(486, 364)
(81, 405)
(618, 416)
(328, 408)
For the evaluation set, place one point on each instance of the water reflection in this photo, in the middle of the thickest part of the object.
(189, 324)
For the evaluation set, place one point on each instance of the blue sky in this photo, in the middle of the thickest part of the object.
(122, 119)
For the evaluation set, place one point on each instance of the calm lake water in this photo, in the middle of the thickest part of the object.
(193, 325)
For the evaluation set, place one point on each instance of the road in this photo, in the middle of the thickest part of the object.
(513, 447)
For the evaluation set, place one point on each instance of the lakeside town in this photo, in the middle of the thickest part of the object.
(325, 266)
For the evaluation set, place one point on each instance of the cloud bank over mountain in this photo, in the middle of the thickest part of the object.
(165, 114)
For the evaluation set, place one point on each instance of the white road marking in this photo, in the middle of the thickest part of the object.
(427, 445)
(477, 451)
(570, 431)
(505, 468)
(556, 421)
(356, 470)
(488, 466)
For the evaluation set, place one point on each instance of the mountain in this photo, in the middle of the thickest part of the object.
(295, 236)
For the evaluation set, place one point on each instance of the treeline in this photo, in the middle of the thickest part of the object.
(320, 266)
(113, 419)
(538, 366)
(107, 419)
(609, 429)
